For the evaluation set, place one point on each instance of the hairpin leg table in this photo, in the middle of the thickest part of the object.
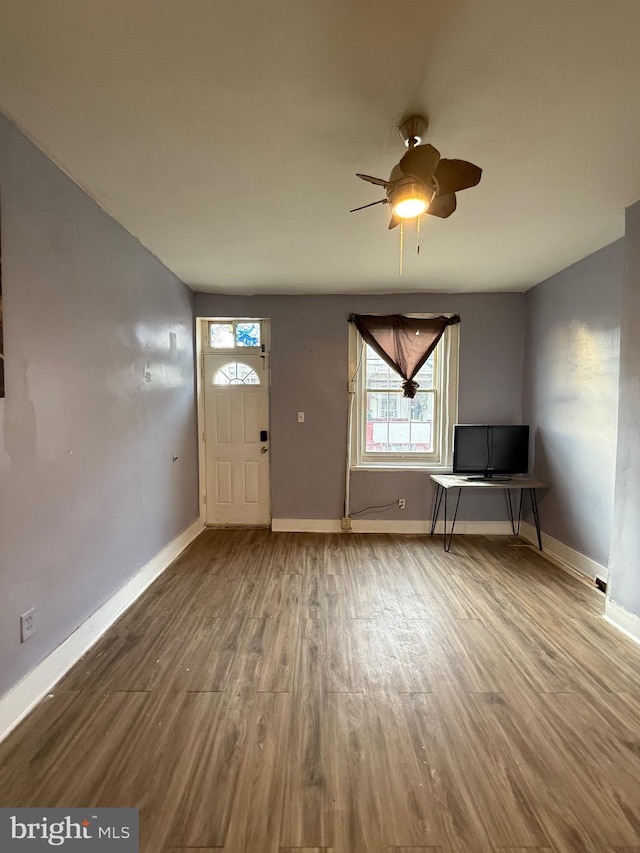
(445, 482)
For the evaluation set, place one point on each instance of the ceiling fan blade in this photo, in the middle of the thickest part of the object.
(378, 181)
(382, 201)
(442, 206)
(455, 175)
(421, 162)
(394, 222)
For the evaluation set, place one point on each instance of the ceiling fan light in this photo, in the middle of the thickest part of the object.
(410, 200)
(409, 207)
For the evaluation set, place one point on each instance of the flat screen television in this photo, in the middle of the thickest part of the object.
(490, 450)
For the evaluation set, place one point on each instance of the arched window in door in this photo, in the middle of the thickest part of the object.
(236, 373)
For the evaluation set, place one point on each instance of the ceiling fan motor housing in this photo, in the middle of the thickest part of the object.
(412, 130)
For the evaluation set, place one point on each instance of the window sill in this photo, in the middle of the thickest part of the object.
(427, 467)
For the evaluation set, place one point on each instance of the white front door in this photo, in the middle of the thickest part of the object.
(236, 404)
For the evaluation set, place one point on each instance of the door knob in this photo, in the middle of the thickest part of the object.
(263, 449)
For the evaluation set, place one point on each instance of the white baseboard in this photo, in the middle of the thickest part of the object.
(306, 525)
(478, 528)
(564, 556)
(372, 525)
(569, 559)
(624, 621)
(21, 699)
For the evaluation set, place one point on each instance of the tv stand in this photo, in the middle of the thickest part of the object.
(444, 482)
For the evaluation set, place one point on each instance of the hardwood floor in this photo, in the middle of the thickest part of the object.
(299, 693)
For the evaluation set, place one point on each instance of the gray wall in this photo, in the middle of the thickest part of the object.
(309, 370)
(98, 400)
(571, 397)
(624, 587)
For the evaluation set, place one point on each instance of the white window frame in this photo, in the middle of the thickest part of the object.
(445, 380)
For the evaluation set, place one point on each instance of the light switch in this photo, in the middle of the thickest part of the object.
(300, 417)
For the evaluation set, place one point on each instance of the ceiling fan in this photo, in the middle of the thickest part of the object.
(422, 182)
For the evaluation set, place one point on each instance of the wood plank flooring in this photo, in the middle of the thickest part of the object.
(301, 693)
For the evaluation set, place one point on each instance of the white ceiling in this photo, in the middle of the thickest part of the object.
(225, 134)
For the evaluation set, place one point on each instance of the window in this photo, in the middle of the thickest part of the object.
(392, 431)
(234, 333)
(236, 373)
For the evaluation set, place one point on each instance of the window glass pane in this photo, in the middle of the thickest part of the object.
(421, 424)
(236, 373)
(424, 377)
(377, 435)
(248, 334)
(396, 424)
(221, 335)
(380, 375)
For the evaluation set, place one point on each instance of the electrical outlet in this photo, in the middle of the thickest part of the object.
(345, 523)
(401, 503)
(300, 417)
(27, 625)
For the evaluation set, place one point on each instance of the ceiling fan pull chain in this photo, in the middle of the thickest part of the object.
(401, 242)
(417, 235)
